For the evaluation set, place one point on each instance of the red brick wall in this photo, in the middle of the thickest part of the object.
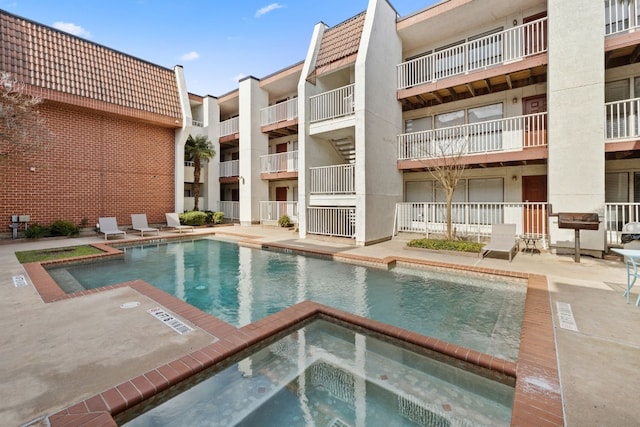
(97, 165)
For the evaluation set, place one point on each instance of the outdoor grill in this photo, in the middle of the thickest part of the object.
(578, 221)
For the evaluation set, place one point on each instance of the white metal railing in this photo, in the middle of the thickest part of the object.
(283, 111)
(230, 209)
(272, 211)
(279, 162)
(473, 219)
(229, 127)
(188, 163)
(615, 216)
(621, 15)
(337, 179)
(510, 134)
(332, 104)
(197, 123)
(621, 119)
(495, 49)
(332, 221)
(230, 168)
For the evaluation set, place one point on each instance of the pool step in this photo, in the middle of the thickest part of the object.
(66, 281)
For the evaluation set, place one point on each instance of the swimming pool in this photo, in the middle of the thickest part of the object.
(325, 374)
(240, 285)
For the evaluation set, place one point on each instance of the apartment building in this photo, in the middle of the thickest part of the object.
(536, 99)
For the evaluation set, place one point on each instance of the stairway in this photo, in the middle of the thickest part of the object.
(346, 147)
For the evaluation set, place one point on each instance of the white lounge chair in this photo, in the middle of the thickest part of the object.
(139, 223)
(109, 226)
(503, 239)
(173, 221)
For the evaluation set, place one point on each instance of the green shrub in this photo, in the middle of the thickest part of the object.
(36, 231)
(194, 218)
(214, 217)
(446, 245)
(64, 228)
(284, 221)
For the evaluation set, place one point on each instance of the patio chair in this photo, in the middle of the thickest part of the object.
(503, 239)
(139, 223)
(109, 226)
(173, 221)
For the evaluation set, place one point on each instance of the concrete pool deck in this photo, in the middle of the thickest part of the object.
(55, 355)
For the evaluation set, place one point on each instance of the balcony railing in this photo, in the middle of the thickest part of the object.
(473, 219)
(229, 127)
(615, 216)
(197, 123)
(230, 168)
(332, 104)
(621, 15)
(495, 49)
(332, 221)
(280, 162)
(622, 119)
(272, 211)
(510, 134)
(337, 179)
(230, 209)
(281, 112)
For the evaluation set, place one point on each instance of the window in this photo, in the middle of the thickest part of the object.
(486, 132)
(485, 49)
(617, 112)
(489, 191)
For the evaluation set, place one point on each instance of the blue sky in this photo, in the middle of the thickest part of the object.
(215, 41)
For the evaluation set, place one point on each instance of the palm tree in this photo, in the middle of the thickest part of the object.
(198, 149)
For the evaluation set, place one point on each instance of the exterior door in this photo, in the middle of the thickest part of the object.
(281, 194)
(535, 127)
(535, 35)
(534, 191)
(282, 161)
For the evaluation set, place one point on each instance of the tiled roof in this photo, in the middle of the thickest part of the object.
(46, 58)
(341, 41)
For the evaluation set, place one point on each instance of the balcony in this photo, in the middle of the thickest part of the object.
(496, 49)
(230, 168)
(615, 216)
(197, 123)
(473, 219)
(622, 120)
(332, 221)
(337, 179)
(621, 16)
(229, 127)
(333, 104)
(230, 209)
(271, 211)
(494, 136)
(279, 163)
(281, 112)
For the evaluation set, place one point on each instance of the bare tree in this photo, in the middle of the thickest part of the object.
(22, 129)
(447, 168)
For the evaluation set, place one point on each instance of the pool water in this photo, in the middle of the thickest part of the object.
(241, 285)
(327, 375)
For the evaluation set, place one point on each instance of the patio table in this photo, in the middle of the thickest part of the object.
(631, 260)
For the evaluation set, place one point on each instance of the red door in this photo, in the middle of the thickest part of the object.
(535, 35)
(534, 189)
(535, 127)
(281, 194)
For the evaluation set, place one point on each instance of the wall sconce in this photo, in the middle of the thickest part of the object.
(241, 179)
(515, 22)
(514, 178)
(515, 100)
(32, 169)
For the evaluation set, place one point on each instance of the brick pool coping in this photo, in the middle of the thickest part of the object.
(537, 399)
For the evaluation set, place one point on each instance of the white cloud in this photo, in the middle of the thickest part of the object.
(190, 56)
(238, 77)
(267, 9)
(71, 28)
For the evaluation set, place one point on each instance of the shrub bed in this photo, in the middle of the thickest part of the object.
(446, 245)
